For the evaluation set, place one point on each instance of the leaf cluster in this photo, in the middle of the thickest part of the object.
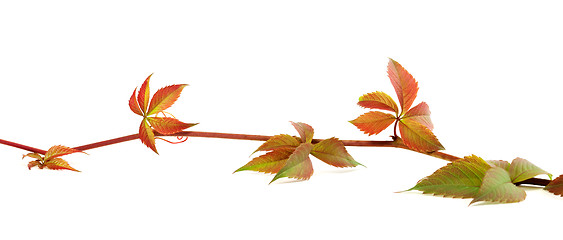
(51, 158)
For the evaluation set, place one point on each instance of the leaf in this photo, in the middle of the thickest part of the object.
(164, 98)
(133, 105)
(332, 152)
(497, 187)
(58, 164)
(305, 131)
(147, 135)
(59, 150)
(378, 100)
(421, 114)
(373, 122)
(556, 186)
(33, 164)
(33, 155)
(298, 165)
(144, 94)
(282, 141)
(521, 170)
(418, 137)
(500, 163)
(459, 179)
(404, 83)
(271, 162)
(168, 125)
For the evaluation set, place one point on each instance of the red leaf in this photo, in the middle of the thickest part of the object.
(421, 114)
(305, 131)
(373, 122)
(332, 152)
(378, 100)
(418, 137)
(556, 186)
(270, 162)
(404, 83)
(147, 136)
(144, 95)
(133, 105)
(298, 165)
(33, 164)
(58, 164)
(57, 151)
(167, 125)
(282, 141)
(164, 98)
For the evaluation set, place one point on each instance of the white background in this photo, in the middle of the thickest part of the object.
(488, 70)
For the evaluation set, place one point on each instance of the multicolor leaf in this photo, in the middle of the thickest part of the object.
(168, 125)
(33, 164)
(33, 155)
(459, 179)
(404, 83)
(50, 160)
(373, 122)
(521, 170)
(271, 162)
(418, 137)
(500, 163)
(305, 131)
(58, 164)
(556, 186)
(147, 135)
(144, 95)
(298, 165)
(378, 100)
(58, 151)
(282, 141)
(164, 98)
(497, 187)
(133, 105)
(332, 152)
(421, 114)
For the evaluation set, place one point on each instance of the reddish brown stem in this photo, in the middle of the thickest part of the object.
(21, 146)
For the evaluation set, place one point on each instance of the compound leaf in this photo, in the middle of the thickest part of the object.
(332, 152)
(282, 141)
(521, 170)
(164, 98)
(418, 137)
(168, 125)
(305, 131)
(298, 165)
(270, 162)
(459, 179)
(378, 100)
(556, 186)
(404, 83)
(373, 122)
(497, 187)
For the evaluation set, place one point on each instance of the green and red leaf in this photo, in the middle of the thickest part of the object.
(418, 137)
(459, 179)
(373, 122)
(521, 170)
(271, 162)
(168, 125)
(147, 135)
(404, 83)
(58, 164)
(332, 152)
(378, 100)
(305, 131)
(421, 114)
(144, 95)
(59, 150)
(133, 105)
(556, 186)
(282, 141)
(497, 187)
(164, 98)
(33, 155)
(299, 165)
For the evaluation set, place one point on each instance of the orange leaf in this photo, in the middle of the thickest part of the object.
(57, 151)
(332, 152)
(556, 186)
(270, 162)
(404, 83)
(298, 165)
(305, 131)
(378, 100)
(164, 98)
(418, 137)
(278, 142)
(373, 122)
(33, 155)
(58, 164)
(421, 114)
(144, 95)
(168, 125)
(147, 135)
(133, 105)
(33, 164)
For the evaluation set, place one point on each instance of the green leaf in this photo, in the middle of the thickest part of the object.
(305, 131)
(556, 186)
(282, 141)
(521, 170)
(459, 179)
(500, 163)
(271, 162)
(497, 187)
(332, 152)
(418, 137)
(378, 100)
(298, 165)
(373, 122)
